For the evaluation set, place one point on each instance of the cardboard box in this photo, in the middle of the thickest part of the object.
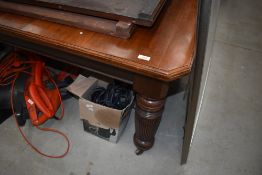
(102, 121)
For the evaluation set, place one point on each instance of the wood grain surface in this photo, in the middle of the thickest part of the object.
(169, 46)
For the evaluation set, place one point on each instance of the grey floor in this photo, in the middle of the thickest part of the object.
(228, 138)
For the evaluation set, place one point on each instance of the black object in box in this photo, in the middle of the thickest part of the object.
(102, 121)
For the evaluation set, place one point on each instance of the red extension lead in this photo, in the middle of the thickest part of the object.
(11, 68)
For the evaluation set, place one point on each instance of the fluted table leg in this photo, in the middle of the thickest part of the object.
(147, 119)
(150, 102)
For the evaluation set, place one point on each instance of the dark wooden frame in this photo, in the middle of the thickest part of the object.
(196, 75)
(119, 29)
(142, 19)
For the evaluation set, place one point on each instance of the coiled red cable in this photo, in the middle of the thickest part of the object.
(9, 75)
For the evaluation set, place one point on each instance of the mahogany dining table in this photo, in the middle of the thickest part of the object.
(151, 59)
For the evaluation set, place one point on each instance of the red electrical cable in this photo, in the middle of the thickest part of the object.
(60, 98)
(15, 73)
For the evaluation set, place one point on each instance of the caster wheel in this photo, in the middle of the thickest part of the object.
(139, 152)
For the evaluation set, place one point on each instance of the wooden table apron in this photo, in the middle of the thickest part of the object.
(172, 42)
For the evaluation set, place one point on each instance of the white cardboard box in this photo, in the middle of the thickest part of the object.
(105, 122)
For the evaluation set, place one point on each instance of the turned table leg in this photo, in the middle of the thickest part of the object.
(147, 119)
(150, 102)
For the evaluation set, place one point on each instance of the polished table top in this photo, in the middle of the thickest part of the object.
(167, 48)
